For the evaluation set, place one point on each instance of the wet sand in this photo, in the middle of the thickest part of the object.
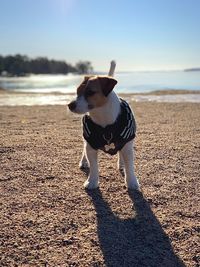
(48, 219)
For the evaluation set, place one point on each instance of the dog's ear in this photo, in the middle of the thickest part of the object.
(107, 84)
(83, 84)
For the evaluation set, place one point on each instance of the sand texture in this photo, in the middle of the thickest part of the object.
(48, 219)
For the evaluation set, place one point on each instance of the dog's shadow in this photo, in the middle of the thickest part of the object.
(139, 241)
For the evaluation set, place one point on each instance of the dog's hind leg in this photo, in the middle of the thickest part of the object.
(130, 178)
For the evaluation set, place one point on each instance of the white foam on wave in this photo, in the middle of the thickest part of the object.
(34, 99)
(191, 98)
(54, 99)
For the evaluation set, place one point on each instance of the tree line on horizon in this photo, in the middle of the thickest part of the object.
(19, 65)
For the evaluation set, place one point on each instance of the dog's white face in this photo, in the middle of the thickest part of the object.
(92, 93)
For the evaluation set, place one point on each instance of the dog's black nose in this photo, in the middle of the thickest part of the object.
(72, 105)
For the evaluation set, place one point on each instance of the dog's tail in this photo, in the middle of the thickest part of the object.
(112, 68)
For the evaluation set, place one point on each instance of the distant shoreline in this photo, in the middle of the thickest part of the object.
(192, 69)
(98, 72)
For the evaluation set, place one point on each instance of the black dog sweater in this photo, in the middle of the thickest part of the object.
(113, 137)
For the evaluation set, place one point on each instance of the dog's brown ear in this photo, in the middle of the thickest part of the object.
(107, 84)
(83, 84)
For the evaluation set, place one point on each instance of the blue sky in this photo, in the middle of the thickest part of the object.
(139, 34)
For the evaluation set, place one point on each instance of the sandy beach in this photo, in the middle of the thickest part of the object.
(48, 219)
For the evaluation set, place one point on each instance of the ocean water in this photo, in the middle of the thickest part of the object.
(60, 89)
(132, 82)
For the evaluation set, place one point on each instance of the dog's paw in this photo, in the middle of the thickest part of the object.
(133, 184)
(83, 165)
(91, 184)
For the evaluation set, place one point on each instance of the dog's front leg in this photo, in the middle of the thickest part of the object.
(120, 163)
(130, 178)
(84, 163)
(93, 179)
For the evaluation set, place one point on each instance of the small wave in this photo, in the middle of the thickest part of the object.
(54, 99)
(191, 98)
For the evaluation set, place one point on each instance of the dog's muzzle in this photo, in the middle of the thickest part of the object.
(72, 105)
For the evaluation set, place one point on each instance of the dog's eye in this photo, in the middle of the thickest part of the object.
(90, 93)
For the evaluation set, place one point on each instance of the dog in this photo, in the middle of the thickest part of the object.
(108, 124)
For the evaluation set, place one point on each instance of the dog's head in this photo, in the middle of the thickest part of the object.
(92, 93)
